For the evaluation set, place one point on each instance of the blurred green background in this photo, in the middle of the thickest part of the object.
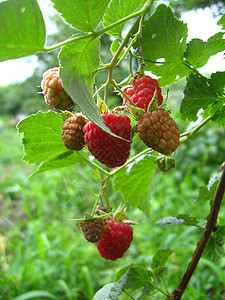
(41, 250)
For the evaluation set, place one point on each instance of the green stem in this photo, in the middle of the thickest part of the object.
(129, 161)
(165, 285)
(131, 297)
(188, 135)
(137, 35)
(122, 92)
(93, 164)
(104, 192)
(99, 32)
(157, 288)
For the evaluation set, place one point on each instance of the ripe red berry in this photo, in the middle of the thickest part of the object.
(159, 131)
(116, 239)
(142, 91)
(109, 150)
(72, 132)
(53, 91)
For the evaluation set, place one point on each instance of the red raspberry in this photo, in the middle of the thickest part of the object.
(109, 150)
(142, 92)
(54, 93)
(115, 241)
(159, 131)
(72, 132)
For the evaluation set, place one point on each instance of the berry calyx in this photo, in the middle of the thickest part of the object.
(109, 150)
(53, 91)
(159, 131)
(142, 91)
(72, 132)
(93, 230)
(116, 239)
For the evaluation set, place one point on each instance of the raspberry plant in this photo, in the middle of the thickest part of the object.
(157, 40)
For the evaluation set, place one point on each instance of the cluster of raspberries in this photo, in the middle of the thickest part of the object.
(155, 128)
(112, 238)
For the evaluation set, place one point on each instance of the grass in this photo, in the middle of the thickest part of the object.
(43, 254)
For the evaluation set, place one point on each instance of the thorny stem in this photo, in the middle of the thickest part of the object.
(211, 226)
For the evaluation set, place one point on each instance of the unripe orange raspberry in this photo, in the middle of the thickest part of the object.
(159, 131)
(53, 91)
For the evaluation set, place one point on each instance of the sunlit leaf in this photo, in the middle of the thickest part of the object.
(198, 52)
(79, 62)
(164, 44)
(119, 9)
(134, 183)
(84, 15)
(22, 29)
(198, 94)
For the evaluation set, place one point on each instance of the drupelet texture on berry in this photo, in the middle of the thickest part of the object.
(53, 91)
(72, 132)
(93, 230)
(109, 150)
(159, 131)
(142, 91)
(116, 240)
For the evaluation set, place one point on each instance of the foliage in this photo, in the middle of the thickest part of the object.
(217, 6)
(158, 41)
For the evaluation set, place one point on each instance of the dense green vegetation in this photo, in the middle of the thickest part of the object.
(42, 250)
(43, 254)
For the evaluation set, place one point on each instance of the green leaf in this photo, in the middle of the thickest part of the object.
(79, 62)
(160, 258)
(222, 22)
(217, 83)
(217, 112)
(198, 52)
(188, 220)
(22, 29)
(204, 194)
(83, 15)
(42, 137)
(35, 294)
(164, 43)
(122, 271)
(115, 45)
(147, 291)
(214, 248)
(108, 292)
(217, 109)
(66, 159)
(135, 277)
(134, 183)
(198, 94)
(158, 272)
(119, 9)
